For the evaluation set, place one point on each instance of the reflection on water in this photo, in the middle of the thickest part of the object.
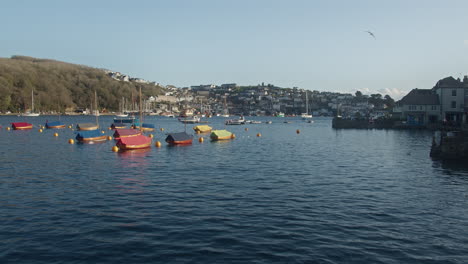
(324, 195)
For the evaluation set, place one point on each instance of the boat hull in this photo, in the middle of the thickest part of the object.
(180, 142)
(100, 138)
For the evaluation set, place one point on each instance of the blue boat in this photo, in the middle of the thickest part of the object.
(126, 120)
(55, 124)
(90, 135)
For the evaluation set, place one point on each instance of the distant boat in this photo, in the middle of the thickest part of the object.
(90, 136)
(306, 115)
(127, 132)
(31, 114)
(202, 128)
(55, 124)
(192, 120)
(180, 138)
(90, 126)
(118, 125)
(221, 135)
(146, 127)
(268, 122)
(21, 126)
(280, 114)
(239, 121)
(126, 120)
(121, 115)
(87, 126)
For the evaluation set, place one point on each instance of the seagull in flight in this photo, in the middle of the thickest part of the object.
(370, 33)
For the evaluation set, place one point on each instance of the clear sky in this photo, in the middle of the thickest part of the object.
(316, 45)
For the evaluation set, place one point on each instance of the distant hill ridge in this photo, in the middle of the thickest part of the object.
(60, 85)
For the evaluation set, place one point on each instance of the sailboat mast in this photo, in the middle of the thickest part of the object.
(96, 108)
(141, 115)
(32, 100)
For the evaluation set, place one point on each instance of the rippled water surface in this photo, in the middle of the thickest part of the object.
(320, 196)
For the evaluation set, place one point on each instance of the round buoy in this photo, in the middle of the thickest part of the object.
(246, 129)
(151, 135)
(115, 148)
(109, 128)
(109, 138)
(40, 130)
(157, 144)
(69, 126)
(200, 140)
(8, 128)
(103, 131)
(198, 131)
(55, 134)
(71, 141)
(162, 129)
(259, 135)
(233, 136)
(298, 131)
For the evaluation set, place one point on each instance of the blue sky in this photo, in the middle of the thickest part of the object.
(316, 45)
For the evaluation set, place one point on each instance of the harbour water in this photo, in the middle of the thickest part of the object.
(320, 196)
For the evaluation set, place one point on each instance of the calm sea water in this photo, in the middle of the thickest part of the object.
(321, 196)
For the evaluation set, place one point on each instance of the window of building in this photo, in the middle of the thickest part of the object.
(454, 92)
(420, 107)
(434, 107)
(454, 104)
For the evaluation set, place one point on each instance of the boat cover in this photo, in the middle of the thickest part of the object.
(145, 125)
(88, 134)
(181, 136)
(220, 133)
(125, 132)
(202, 128)
(20, 124)
(54, 124)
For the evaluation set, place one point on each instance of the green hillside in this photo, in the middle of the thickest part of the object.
(58, 86)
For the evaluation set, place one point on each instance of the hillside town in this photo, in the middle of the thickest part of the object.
(445, 103)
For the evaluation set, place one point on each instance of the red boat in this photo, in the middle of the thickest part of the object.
(21, 126)
(135, 142)
(126, 132)
(181, 138)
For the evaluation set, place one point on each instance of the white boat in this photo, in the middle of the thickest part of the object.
(31, 114)
(306, 115)
(239, 121)
(191, 120)
(121, 115)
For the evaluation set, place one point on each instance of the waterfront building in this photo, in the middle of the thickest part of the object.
(453, 97)
(419, 107)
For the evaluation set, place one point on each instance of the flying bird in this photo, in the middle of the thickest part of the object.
(370, 33)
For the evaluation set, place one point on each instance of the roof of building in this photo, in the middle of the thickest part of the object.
(450, 82)
(420, 97)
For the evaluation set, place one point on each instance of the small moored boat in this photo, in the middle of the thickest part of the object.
(55, 124)
(87, 126)
(181, 138)
(221, 135)
(136, 142)
(144, 126)
(126, 132)
(21, 125)
(202, 128)
(118, 125)
(90, 135)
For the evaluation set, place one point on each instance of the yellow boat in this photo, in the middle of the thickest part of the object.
(202, 128)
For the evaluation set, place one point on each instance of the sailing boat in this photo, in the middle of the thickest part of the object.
(306, 115)
(135, 142)
(122, 109)
(32, 106)
(226, 111)
(91, 132)
(90, 126)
